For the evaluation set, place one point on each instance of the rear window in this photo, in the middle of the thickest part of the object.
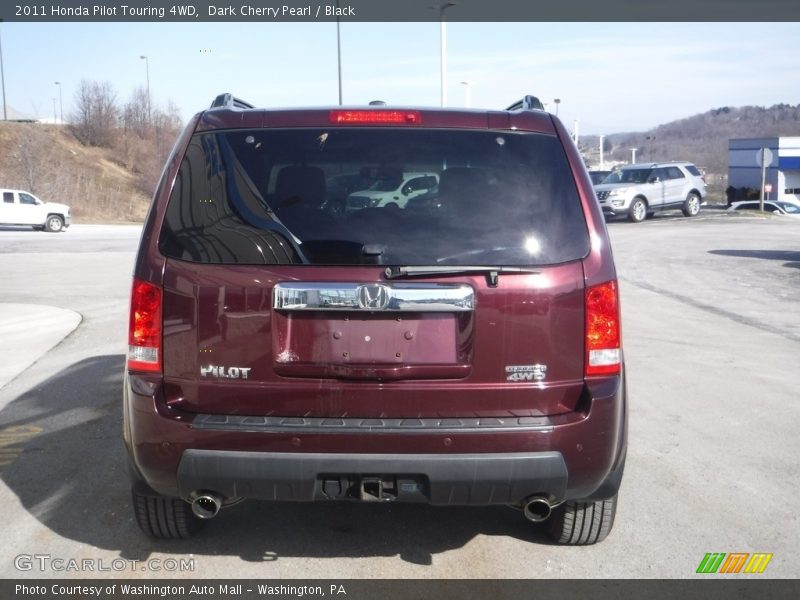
(345, 196)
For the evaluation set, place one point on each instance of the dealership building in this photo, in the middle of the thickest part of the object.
(782, 157)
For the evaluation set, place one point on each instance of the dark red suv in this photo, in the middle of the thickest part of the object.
(455, 345)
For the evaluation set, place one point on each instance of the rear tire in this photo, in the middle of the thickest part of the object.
(637, 211)
(165, 518)
(691, 206)
(582, 523)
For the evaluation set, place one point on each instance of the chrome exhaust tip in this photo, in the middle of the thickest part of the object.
(537, 509)
(205, 505)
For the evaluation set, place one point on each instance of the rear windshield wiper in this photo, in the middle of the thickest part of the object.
(492, 273)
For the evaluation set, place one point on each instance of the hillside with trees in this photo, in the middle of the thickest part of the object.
(104, 163)
(701, 139)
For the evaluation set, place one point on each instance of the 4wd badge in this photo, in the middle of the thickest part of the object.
(526, 373)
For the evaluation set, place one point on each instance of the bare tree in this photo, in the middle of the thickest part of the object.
(96, 113)
(30, 163)
(134, 113)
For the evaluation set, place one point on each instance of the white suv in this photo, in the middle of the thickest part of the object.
(639, 190)
(22, 208)
(396, 189)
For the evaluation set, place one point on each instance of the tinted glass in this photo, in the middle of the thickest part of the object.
(598, 176)
(8, 197)
(693, 170)
(675, 173)
(275, 197)
(662, 175)
(629, 176)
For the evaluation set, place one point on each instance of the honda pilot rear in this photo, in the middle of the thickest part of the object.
(462, 347)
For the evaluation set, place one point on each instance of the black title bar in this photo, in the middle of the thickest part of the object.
(289, 11)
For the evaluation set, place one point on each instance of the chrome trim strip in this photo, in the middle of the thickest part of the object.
(365, 425)
(398, 297)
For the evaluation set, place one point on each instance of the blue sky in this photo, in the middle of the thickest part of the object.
(611, 77)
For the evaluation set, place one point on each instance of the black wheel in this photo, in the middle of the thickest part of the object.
(165, 518)
(54, 223)
(582, 523)
(638, 210)
(691, 205)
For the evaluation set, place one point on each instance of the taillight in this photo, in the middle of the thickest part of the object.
(144, 333)
(376, 117)
(603, 354)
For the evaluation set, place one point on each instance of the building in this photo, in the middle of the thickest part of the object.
(783, 167)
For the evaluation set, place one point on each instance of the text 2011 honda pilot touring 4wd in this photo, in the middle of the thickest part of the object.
(463, 349)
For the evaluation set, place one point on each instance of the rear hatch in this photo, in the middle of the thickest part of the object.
(466, 301)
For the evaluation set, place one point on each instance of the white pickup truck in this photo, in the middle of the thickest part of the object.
(22, 208)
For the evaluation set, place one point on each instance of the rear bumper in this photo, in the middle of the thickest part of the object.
(442, 479)
(477, 461)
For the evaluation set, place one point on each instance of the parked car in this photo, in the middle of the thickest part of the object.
(778, 207)
(23, 208)
(392, 188)
(462, 351)
(598, 176)
(640, 190)
(339, 187)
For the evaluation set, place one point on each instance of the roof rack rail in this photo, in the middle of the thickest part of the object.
(527, 103)
(230, 101)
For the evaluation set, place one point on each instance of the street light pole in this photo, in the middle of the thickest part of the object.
(443, 48)
(339, 51)
(602, 162)
(3, 80)
(55, 115)
(60, 101)
(147, 70)
(467, 93)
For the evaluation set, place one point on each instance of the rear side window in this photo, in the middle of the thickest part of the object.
(316, 196)
(675, 173)
(8, 197)
(693, 170)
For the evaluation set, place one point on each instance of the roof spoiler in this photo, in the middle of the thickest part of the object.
(230, 101)
(527, 103)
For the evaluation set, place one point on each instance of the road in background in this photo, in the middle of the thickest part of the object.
(712, 335)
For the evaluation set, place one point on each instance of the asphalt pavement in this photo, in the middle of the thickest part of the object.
(711, 332)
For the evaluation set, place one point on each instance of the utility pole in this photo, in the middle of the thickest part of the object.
(467, 93)
(61, 101)
(339, 51)
(763, 177)
(443, 48)
(3, 80)
(602, 162)
(147, 68)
